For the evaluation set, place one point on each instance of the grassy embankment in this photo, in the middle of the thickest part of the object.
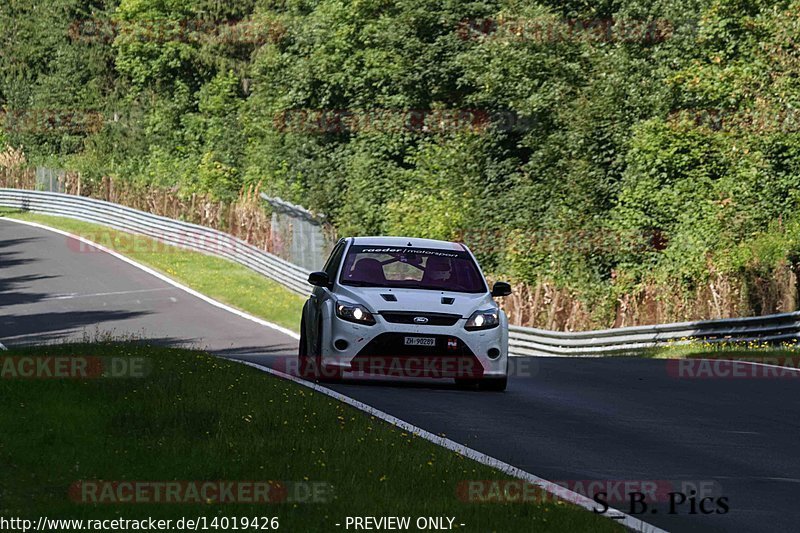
(745, 351)
(197, 417)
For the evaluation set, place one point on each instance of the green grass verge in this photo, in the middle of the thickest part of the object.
(725, 350)
(218, 278)
(197, 417)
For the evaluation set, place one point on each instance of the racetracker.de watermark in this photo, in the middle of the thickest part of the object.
(177, 242)
(403, 366)
(43, 121)
(612, 491)
(581, 240)
(763, 368)
(196, 523)
(765, 120)
(551, 30)
(73, 367)
(201, 492)
(423, 121)
(190, 31)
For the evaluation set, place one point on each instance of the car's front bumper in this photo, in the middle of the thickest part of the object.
(380, 349)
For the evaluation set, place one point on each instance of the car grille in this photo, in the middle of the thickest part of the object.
(420, 319)
(388, 355)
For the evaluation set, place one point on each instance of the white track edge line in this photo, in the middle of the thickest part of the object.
(557, 490)
(162, 277)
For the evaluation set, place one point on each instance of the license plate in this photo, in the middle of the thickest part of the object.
(420, 341)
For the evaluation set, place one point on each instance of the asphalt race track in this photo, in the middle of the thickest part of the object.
(562, 419)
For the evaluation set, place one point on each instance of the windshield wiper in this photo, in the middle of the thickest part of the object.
(363, 284)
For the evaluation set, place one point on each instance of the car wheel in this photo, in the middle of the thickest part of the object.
(323, 373)
(467, 383)
(493, 384)
(303, 367)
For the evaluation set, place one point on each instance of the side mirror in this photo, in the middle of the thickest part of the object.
(501, 288)
(319, 279)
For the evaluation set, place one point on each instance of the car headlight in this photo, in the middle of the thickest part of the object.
(486, 319)
(354, 313)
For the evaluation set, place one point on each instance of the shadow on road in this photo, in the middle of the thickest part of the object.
(7, 297)
(48, 326)
(6, 243)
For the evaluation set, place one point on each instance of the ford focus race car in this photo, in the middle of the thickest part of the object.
(403, 307)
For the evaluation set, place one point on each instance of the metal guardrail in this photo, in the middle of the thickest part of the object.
(295, 210)
(167, 230)
(522, 341)
(634, 340)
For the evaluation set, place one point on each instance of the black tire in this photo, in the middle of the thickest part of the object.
(467, 383)
(306, 365)
(302, 349)
(322, 373)
(494, 384)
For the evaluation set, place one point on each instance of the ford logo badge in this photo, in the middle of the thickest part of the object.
(420, 320)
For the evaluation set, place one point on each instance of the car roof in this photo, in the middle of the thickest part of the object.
(404, 241)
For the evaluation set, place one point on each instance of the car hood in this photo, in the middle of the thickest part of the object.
(463, 304)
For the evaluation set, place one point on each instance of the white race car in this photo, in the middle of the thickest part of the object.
(404, 307)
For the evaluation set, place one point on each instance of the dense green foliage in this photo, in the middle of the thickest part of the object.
(611, 162)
